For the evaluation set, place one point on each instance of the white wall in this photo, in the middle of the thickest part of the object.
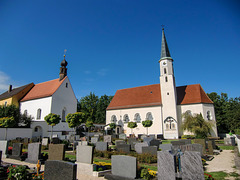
(156, 127)
(12, 133)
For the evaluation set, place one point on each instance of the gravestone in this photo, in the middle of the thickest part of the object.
(34, 152)
(155, 142)
(186, 141)
(60, 170)
(44, 141)
(94, 140)
(202, 142)
(75, 144)
(138, 147)
(55, 140)
(107, 138)
(84, 154)
(227, 141)
(83, 143)
(34, 139)
(56, 152)
(132, 142)
(4, 148)
(148, 139)
(139, 136)
(165, 163)
(177, 143)
(122, 136)
(165, 147)
(124, 166)
(101, 146)
(213, 144)
(16, 151)
(143, 136)
(150, 150)
(210, 148)
(192, 147)
(191, 166)
(124, 148)
(160, 136)
(77, 137)
(118, 142)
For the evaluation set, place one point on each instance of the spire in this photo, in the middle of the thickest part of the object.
(165, 54)
(63, 69)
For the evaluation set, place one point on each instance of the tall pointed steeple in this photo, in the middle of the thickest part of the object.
(63, 69)
(165, 53)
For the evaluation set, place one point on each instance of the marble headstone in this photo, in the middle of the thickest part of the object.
(60, 170)
(124, 166)
(84, 154)
(138, 147)
(34, 152)
(44, 141)
(4, 148)
(191, 166)
(166, 168)
(101, 146)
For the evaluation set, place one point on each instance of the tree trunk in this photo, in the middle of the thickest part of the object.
(51, 134)
(147, 130)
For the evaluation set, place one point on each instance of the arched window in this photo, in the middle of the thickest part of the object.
(126, 118)
(149, 116)
(165, 71)
(25, 112)
(63, 115)
(166, 80)
(36, 129)
(113, 119)
(39, 111)
(209, 115)
(137, 118)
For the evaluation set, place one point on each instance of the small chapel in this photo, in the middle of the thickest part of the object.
(162, 103)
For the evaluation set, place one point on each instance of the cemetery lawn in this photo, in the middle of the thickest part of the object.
(227, 147)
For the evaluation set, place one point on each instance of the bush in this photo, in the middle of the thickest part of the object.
(188, 137)
(18, 172)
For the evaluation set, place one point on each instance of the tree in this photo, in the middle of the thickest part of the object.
(89, 124)
(7, 122)
(52, 120)
(196, 124)
(147, 124)
(132, 125)
(102, 105)
(10, 111)
(75, 119)
(112, 125)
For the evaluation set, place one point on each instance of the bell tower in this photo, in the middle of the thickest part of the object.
(168, 92)
(63, 69)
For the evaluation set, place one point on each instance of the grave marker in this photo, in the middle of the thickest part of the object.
(124, 148)
(16, 151)
(101, 146)
(138, 147)
(84, 154)
(56, 152)
(4, 148)
(165, 147)
(122, 136)
(165, 162)
(34, 152)
(44, 141)
(150, 150)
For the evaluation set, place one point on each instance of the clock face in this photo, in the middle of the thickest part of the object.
(164, 63)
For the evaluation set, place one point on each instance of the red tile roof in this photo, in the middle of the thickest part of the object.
(150, 95)
(44, 89)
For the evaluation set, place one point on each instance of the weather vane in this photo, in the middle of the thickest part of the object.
(162, 27)
(65, 50)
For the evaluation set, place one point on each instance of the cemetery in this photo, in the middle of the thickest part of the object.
(111, 157)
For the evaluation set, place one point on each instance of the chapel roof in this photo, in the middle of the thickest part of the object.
(147, 96)
(44, 89)
(14, 91)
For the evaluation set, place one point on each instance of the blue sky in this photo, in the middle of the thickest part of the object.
(116, 44)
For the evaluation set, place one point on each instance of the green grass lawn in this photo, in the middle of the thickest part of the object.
(227, 147)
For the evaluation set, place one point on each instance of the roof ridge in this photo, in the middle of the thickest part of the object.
(138, 87)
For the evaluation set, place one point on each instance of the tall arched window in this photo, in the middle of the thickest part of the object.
(63, 115)
(113, 119)
(209, 115)
(165, 71)
(149, 116)
(39, 111)
(125, 118)
(137, 118)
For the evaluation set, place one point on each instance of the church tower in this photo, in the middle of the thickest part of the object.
(168, 92)
(63, 69)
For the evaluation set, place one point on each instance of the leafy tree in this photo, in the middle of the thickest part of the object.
(25, 120)
(102, 105)
(196, 124)
(75, 119)
(52, 120)
(147, 124)
(10, 111)
(132, 125)
(7, 122)
(112, 125)
(89, 124)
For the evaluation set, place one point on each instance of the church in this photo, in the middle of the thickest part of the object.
(162, 103)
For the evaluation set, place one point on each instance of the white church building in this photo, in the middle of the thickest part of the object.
(55, 96)
(162, 103)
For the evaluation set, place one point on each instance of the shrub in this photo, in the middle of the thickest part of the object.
(17, 172)
(188, 137)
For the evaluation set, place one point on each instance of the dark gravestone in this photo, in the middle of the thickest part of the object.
(115, 136)
(124, 148)
(124, 166)
(210, 148)
(101, 146)
(202, 142)
(34, 152)
(56, 152)
(191, 166)
(138, 147)
(155, 142)
(232, 141)
(60, 170)
(165, 147)
(118, 142)
(165, 162)
(192, 147)
(0, 158)
(4, 148)
(150, 150)
(55, 140)
(160, 136)
(186, 141)
(16, 151)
